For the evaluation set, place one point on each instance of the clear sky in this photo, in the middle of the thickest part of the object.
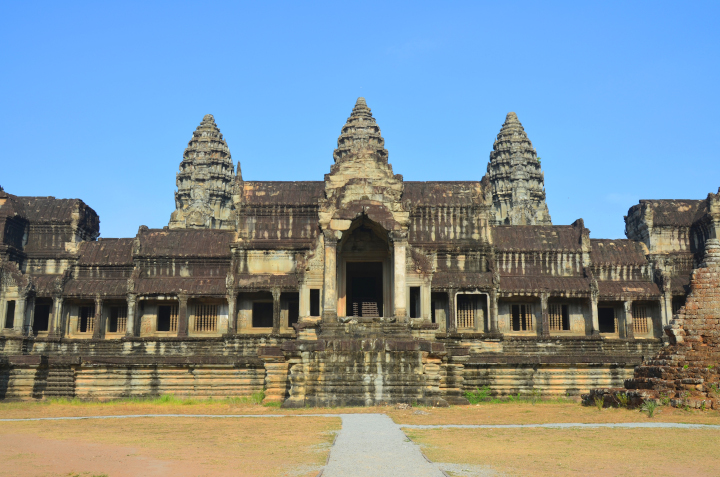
(620, 99)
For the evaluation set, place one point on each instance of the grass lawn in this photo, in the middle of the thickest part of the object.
(546, 412)
(563, 452)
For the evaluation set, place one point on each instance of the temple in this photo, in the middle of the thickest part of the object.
(359, 289)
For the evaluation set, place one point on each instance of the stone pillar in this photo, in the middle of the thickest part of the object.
(629, 330)
(56, 327)
(330, 278)
(544, 330)
(399, 291)
(98, 328)
(304, 305)
(276, 310)
(30, 319)
(595, 331)
(452, 315)
(493, 309)
(19, 319)
(130, 327)
(182, 331)
(666, 308)
(232, 313)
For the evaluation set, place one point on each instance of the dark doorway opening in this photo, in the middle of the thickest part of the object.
(414, 302)
(41, 321)
(314, 302)
(364, 287)
(10, 314)
(262, 314)
(606, 320)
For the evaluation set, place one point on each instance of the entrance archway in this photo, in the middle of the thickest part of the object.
(364, 271)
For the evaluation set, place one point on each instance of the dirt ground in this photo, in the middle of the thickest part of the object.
(298, 446)
(286, 446)
(574, 452)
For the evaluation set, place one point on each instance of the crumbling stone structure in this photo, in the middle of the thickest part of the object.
(686, 373)
(362, 288)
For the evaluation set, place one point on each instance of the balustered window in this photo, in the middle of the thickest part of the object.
(86, 319)
(206, 318)
(640, 319)
(167, 318)
(559, 317)
(521, 317)
(117, 321)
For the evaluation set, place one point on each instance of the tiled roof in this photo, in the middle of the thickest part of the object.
(618, 288)
(621, 252)
(536, 238)
(297, 193)
(191, 286)
(106, 252)
(455, 193)
(188, 243)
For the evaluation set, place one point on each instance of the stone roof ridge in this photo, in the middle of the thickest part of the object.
(360, 136)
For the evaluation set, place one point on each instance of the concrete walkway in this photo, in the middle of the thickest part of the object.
(372, 445)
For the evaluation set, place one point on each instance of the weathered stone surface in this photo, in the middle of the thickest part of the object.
(518, 184)
(361, 288)
(689, 368)
(204, 198)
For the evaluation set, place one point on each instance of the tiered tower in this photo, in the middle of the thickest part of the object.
(518, 188)
(361, 133)
(205, 182)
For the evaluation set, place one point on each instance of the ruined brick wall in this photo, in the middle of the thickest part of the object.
(688, 371)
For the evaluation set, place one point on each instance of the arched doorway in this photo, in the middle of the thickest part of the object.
(364, 271)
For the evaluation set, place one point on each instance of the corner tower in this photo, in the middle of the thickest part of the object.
(204, 198)
(518, 188)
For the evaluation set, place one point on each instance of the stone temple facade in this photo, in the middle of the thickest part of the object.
(361, 288)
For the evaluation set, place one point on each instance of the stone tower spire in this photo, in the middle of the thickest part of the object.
(205, 182)
(518, 188)
(361, 133)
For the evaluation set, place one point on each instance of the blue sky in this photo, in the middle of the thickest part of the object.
(620, 99)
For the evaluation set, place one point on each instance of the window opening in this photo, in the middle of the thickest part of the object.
(167, 318)
(607, 320)
(521, 318)
(677, 303)
(86, 321)
(293, 312)
(414, 302)
(314, 302)
(466, 311)
(559, 317)
(205, 318)
(640, 319)
(262, 314)
(10, 314)
(41, 322)
(117, 321)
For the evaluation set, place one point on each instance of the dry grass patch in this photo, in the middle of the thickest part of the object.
(168, 446)
(560, 452)
(545, 413)
(163, 405)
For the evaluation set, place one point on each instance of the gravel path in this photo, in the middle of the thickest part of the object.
(565, 425)
(372, 445)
